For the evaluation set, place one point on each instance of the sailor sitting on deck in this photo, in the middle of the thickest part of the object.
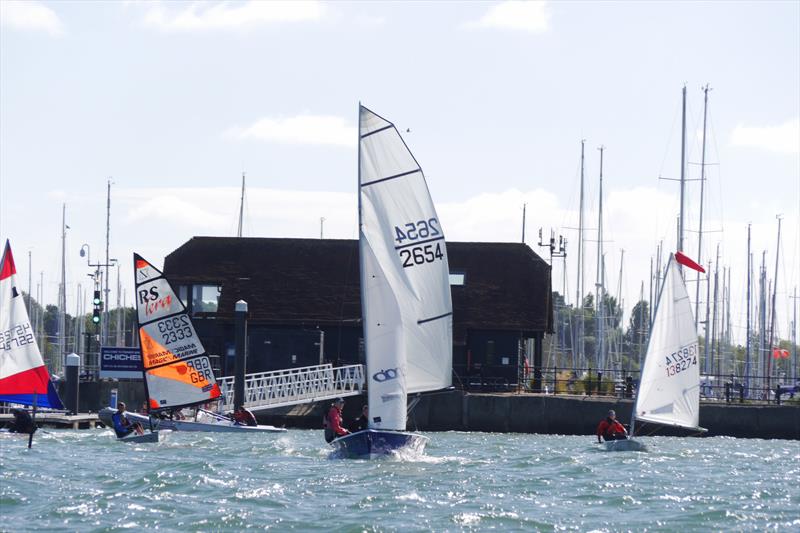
(22, 423)
(610, 429)
(362, 422)
(333, 421)
(243, 417)
(122, 426)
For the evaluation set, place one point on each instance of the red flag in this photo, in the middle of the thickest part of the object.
(778, 353)
(683, 259)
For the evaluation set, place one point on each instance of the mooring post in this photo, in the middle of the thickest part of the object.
(73, 365)
(241, 353)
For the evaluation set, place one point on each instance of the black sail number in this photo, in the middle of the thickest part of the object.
(419, 255)
(175, 328)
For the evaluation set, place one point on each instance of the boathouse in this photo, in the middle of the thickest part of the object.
(305, 309)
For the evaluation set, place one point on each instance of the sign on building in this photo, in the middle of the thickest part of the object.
(118, 362)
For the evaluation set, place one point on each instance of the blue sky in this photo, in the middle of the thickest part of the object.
(174, 100)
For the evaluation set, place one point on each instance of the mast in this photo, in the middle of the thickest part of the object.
(29, 285)
(714, 340)
(774, 294)
(794, 336)
(241, 211)
(762, 316)
(362, 290)
(104, 328)
(62, 295)
(579, 296)
(749, 304)
(119, 311)
(524, 206)
(599, 276)
(707, 329)
(683, 170)
(702, 188)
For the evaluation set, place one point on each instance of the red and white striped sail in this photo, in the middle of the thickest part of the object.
(24, 378)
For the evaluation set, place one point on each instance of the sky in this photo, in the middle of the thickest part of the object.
(172, 102)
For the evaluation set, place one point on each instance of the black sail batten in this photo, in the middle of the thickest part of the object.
(373, 132)
(431, 319)
(417, 243)
(381, 180)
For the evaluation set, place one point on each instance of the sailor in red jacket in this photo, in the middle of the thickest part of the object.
(610, 429)
(333, 421)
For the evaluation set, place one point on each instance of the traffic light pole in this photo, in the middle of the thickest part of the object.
(98, 304)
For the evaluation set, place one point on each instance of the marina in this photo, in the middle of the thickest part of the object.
(237, 302)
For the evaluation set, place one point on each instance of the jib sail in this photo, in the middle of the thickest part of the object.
(176, 368)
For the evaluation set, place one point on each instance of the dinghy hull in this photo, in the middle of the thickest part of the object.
(220, 426)
(625, 445)
(374, 443)
(140, 439)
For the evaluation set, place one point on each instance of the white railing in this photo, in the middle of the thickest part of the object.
(292, 386)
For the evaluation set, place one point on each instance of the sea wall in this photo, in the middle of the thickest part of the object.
(548, 414)
(501, 413)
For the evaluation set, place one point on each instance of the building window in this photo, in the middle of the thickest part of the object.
(183, 295)
(205, 298)
(457, 278)
(489, 352)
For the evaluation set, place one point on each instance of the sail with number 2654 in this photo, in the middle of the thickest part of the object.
(177, 370)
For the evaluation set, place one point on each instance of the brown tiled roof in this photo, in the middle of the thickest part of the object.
(316, 281)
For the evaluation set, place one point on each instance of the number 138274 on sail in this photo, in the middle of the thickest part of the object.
(419, 242)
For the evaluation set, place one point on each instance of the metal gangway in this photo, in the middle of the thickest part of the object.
(292, 386)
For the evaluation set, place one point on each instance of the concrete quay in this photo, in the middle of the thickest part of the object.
(551, 414)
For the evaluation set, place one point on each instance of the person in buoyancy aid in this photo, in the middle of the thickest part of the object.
(122, 426)
(332, 423)
(362, 422)
(610, 429)
(22, 423)
(244, 417)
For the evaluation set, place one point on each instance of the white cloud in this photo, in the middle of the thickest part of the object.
(784, 138)
(530, 16)
(302, 129)
(175, 209)
(29, 15)
(199, 16)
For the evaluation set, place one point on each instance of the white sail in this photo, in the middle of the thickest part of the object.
(406, 303)
(669, 391)
(24, 378)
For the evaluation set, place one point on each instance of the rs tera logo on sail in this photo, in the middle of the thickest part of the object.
(385, 375)
(152, 302)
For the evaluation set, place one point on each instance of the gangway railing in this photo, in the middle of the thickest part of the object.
(292, 386)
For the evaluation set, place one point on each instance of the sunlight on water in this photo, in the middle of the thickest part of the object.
(85, 480)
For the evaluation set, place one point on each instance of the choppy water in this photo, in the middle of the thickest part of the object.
(85, 481)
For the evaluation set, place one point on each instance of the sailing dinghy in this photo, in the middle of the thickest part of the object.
(24, 379)
(177, 371)
(669, 386)
(405, 290)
